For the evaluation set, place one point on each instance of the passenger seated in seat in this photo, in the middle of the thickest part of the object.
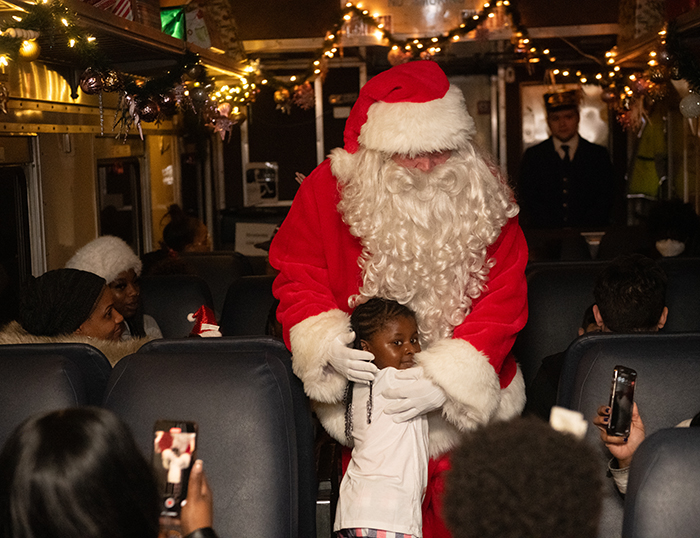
(184, 233)
(69, 305)
(630, 296)
(523, 479)
(112, 259)
(385, 482)
(77, 473)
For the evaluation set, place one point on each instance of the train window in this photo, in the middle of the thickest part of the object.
(120, 200)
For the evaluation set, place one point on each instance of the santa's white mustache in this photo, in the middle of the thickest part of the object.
(443, 178)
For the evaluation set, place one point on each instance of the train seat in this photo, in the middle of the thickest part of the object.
(683, 295)
(255, 431)
(36, 381)
(668, 371)
(218, 269)
(247, 307)
(558, 294)
(663, 493)
(170, 298)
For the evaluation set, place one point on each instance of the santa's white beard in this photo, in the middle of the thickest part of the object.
(425, 235)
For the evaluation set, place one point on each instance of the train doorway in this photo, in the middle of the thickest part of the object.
(15, 253)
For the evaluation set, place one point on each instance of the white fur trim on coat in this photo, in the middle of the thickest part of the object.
(114, 350)
(412, 128)
(451, 364)
(310, 340)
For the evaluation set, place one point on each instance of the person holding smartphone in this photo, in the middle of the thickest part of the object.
(77, 473)
(623, 448)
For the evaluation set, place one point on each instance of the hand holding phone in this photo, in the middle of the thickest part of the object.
(621, 448)
(197, 512)
(621, 401)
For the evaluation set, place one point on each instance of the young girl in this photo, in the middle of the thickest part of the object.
(383, 487)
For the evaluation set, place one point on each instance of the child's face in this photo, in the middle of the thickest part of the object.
(395, 344)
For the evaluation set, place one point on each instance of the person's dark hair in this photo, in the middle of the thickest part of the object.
(76, 473)
(181, 230)
(370, 317)
(631, 293)
(588, 318)
(59, 301)
(522, 479)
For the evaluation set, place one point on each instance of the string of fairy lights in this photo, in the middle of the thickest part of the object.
(189, 86)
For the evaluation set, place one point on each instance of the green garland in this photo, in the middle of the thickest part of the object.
(56, 23)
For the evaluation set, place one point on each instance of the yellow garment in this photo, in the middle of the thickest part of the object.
(651, 155)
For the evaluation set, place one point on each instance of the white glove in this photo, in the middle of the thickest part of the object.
(354, 364)
(413, 399)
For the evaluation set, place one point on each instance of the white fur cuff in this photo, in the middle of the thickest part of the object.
(468, 379)
(310, 340)
(413, 128)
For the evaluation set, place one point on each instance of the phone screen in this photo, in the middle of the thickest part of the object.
(621, 401)
(174, 453)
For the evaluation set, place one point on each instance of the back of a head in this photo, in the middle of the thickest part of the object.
(59, 301)
(631, 293)
(372, 315)
(181, 230)
(76, 473)
(523, 479)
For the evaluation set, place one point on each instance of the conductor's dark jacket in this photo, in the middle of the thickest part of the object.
(554, 195)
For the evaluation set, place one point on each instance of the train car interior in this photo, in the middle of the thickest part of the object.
(127, 117)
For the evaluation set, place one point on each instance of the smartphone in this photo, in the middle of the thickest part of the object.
(621, 400)
(174, 453)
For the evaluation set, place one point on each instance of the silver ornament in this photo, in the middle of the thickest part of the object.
(690, 105)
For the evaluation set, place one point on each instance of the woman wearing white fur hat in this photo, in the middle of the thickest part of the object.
(112, 259)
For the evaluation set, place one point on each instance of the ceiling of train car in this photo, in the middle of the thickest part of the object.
(577, 36)
(127, 46)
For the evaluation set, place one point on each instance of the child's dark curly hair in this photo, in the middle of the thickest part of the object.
(370, 317)
(523, 479)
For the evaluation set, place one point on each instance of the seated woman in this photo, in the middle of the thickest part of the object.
(112, 259)
(184, 233)
(69, 305)
(89, 482)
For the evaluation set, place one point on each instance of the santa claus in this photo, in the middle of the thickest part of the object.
(408, 210)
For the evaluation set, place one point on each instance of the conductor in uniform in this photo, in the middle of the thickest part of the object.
(565, 181)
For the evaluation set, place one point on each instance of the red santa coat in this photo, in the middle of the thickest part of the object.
(318, 262)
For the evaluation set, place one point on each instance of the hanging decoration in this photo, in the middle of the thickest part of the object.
(690, 105)
(4, 96)
(304, 96)
(188, 86)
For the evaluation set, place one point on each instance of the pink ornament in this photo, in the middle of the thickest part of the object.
(224, 109)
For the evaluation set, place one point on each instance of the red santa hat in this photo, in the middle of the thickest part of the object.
(205, 323)
(409, 109)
